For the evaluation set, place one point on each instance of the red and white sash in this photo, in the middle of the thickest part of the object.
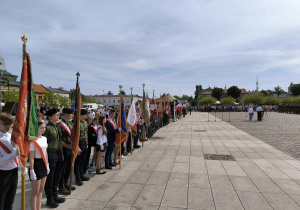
(112, 123)
(100, 127)
(64, 125)
(5, 148)
(42, 154)
(94, 127)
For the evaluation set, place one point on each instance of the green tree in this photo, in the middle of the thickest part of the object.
(279, 91)
(217, 93)
(253, 98)
(295, 90)
(49, 96)
(296, 100)
(109, 93)
(264, 92)
(228, 100)
(198, 88)
(88, 99)
(287, 100)
(123, 92)
(234, 92)
(206, 100)
(72, 95)
(10, 95)
(272, 100)
(138, 102)
(63, 101)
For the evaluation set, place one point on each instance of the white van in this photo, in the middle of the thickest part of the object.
(90, 106)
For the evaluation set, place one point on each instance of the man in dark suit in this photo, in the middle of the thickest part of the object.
(112, 129)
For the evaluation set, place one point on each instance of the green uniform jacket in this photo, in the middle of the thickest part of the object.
(51, 133)
(83, 131)
(63, 134)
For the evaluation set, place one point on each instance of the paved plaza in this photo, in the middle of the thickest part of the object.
(170, 172)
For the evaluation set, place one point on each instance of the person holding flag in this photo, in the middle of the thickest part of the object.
(8, 163)
(64, 128)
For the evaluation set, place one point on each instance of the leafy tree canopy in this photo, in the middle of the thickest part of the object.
(295, 90)
(227, 101)
(206, 100)
(217, 93)
(10, 95)
(279, 90)
(234, 92)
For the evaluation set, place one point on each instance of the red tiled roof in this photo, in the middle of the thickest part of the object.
(40, 89)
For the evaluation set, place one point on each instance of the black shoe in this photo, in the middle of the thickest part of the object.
(113, 164)
(63, 191)
(137, 147)
(58, 199)
(79, 182)
(68, 187)
(51, 203)
(85, 178)
(108, 167)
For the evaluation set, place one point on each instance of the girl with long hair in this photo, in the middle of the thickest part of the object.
(101, 143)
(39, 167)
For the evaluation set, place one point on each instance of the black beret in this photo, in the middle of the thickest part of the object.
(51, 112)
(67, 111)
(83, 112)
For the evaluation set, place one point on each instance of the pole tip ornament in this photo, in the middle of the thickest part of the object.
(120, 86)
(78, 75)
(143, 85)
(24, 39)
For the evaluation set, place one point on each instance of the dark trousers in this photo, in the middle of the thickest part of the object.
(87, 158)
(109, 152)
(56, 166)
(66, 168)
(259, 116)
(79, 162)
(8, 186)
(128, 145)
(136, 138)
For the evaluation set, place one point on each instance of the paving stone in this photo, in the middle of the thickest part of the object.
(242, 184)
(281, 201)
(200, 199)
(226, 199)
(151, 195)
(199, 181)
(253, 201)
(133, 165)
(106, 192)
(181, 167)
(198, 168)
(178, 182)
(144, 207)
(288, 185)
(86, 190)
(88, 205)
(266, 185)
(140, 177)
(159, 178)
(122, 176)
(128, 193)
(175, 197)
(220, 182)
(117, 206)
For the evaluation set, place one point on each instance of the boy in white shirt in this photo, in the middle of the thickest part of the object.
(8, 164)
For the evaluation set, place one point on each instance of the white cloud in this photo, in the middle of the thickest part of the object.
(139, 64)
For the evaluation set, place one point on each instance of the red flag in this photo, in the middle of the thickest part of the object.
(25, 126)
(75, 133)
(121, 122)
(153, 107)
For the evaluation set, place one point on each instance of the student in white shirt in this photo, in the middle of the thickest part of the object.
(39, 167)
(8, 164)
(250, 111)
(101, 143)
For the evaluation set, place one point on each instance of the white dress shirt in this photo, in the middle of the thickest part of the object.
(7, 160)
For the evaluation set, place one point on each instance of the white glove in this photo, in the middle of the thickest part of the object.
(102, 147)
(120, 129)
(32, 175)
(48, 169)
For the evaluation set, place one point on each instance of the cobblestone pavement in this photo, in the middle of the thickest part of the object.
(171, 172)
(280, 130)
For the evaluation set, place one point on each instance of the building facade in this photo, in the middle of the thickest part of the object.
(113, 101)
(7, 80)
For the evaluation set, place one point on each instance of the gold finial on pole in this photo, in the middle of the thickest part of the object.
(24, 39)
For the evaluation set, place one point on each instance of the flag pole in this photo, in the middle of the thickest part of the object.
(143, 127)
(24, 39)
(120, 118)
(75, 110)
(133, 125)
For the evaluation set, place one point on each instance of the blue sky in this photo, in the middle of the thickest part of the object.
(169, 45)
